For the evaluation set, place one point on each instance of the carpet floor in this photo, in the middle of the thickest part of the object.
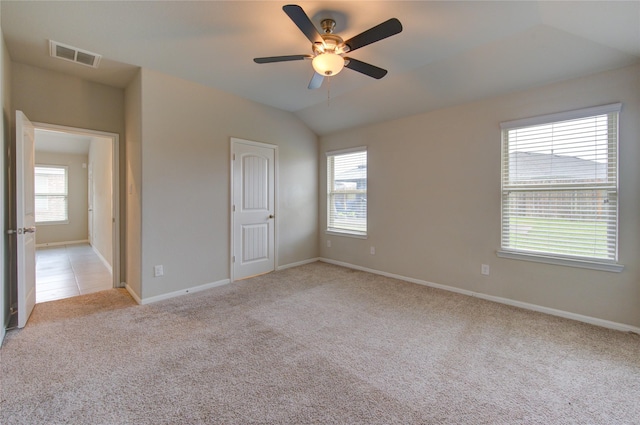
(314, 344)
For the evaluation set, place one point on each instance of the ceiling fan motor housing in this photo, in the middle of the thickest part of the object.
(332, 44)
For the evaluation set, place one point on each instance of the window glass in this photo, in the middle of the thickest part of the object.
(559, 185)
(347, 191)
(51, 194)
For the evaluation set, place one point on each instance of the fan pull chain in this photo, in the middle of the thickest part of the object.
(328, 91)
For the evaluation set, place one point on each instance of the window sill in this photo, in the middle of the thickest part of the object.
(560, 261)
(347, 233)
(51, 223)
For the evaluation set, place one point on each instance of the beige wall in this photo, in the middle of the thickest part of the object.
(434, 200)
(54, 98)
(100, 162)
(133, 184)
(186, 131)
(76, 229)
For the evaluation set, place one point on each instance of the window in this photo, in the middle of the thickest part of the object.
(51, 194)
(347, 191)
(560, 187)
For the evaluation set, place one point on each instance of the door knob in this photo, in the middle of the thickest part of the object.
(29, 230)
(270, 215)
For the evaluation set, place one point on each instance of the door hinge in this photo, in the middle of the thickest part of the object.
(234, 258)
(234, 208)
(234, 156)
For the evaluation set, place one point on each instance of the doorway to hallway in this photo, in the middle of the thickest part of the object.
(78, 253)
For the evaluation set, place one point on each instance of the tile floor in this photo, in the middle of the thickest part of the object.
(66, 271)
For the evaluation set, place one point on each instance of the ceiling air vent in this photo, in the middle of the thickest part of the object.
(73, 54)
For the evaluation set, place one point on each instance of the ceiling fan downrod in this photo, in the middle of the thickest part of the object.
(328, 25)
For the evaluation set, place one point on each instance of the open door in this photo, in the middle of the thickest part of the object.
(25, 217)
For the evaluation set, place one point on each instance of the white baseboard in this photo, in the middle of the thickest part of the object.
(174, 294)
(104, 260)
(299, 263)
(41, 245)
(202, 287)
(527, 306)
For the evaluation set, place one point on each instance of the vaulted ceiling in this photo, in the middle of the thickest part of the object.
(449, 52)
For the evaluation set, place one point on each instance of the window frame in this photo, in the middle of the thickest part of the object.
(66, 195)
(548, 257)
(330, 184)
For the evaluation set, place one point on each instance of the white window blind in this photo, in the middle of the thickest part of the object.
(560, 184)
(51, 197)
(347, 191)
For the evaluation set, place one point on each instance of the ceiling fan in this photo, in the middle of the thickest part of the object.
(329, 49)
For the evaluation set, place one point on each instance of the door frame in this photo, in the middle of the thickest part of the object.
(115, 185)
(276, 178)
(90, 202)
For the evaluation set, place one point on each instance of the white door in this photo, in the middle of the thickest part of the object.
(25, 217)
(253, 174)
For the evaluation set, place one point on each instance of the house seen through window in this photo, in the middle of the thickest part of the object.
(560, 185)
(347, 191)
(51, 195)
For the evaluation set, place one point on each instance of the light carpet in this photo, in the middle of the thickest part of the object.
(314, 344)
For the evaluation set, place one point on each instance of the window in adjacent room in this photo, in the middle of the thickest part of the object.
(560, 188)
(51, 195)
(347, 191)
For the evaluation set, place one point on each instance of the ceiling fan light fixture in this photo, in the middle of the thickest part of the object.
(328, 64)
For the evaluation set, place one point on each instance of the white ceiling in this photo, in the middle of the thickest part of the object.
(62, 142)
(450, 52)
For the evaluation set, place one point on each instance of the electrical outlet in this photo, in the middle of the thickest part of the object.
(328, 243)
(158, 271)
(372, 250)
(484, 269)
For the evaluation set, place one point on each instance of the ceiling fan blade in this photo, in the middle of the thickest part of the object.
(365, 68)
(377, 33)
(316, 81)
(271, 59)
(300, 18)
